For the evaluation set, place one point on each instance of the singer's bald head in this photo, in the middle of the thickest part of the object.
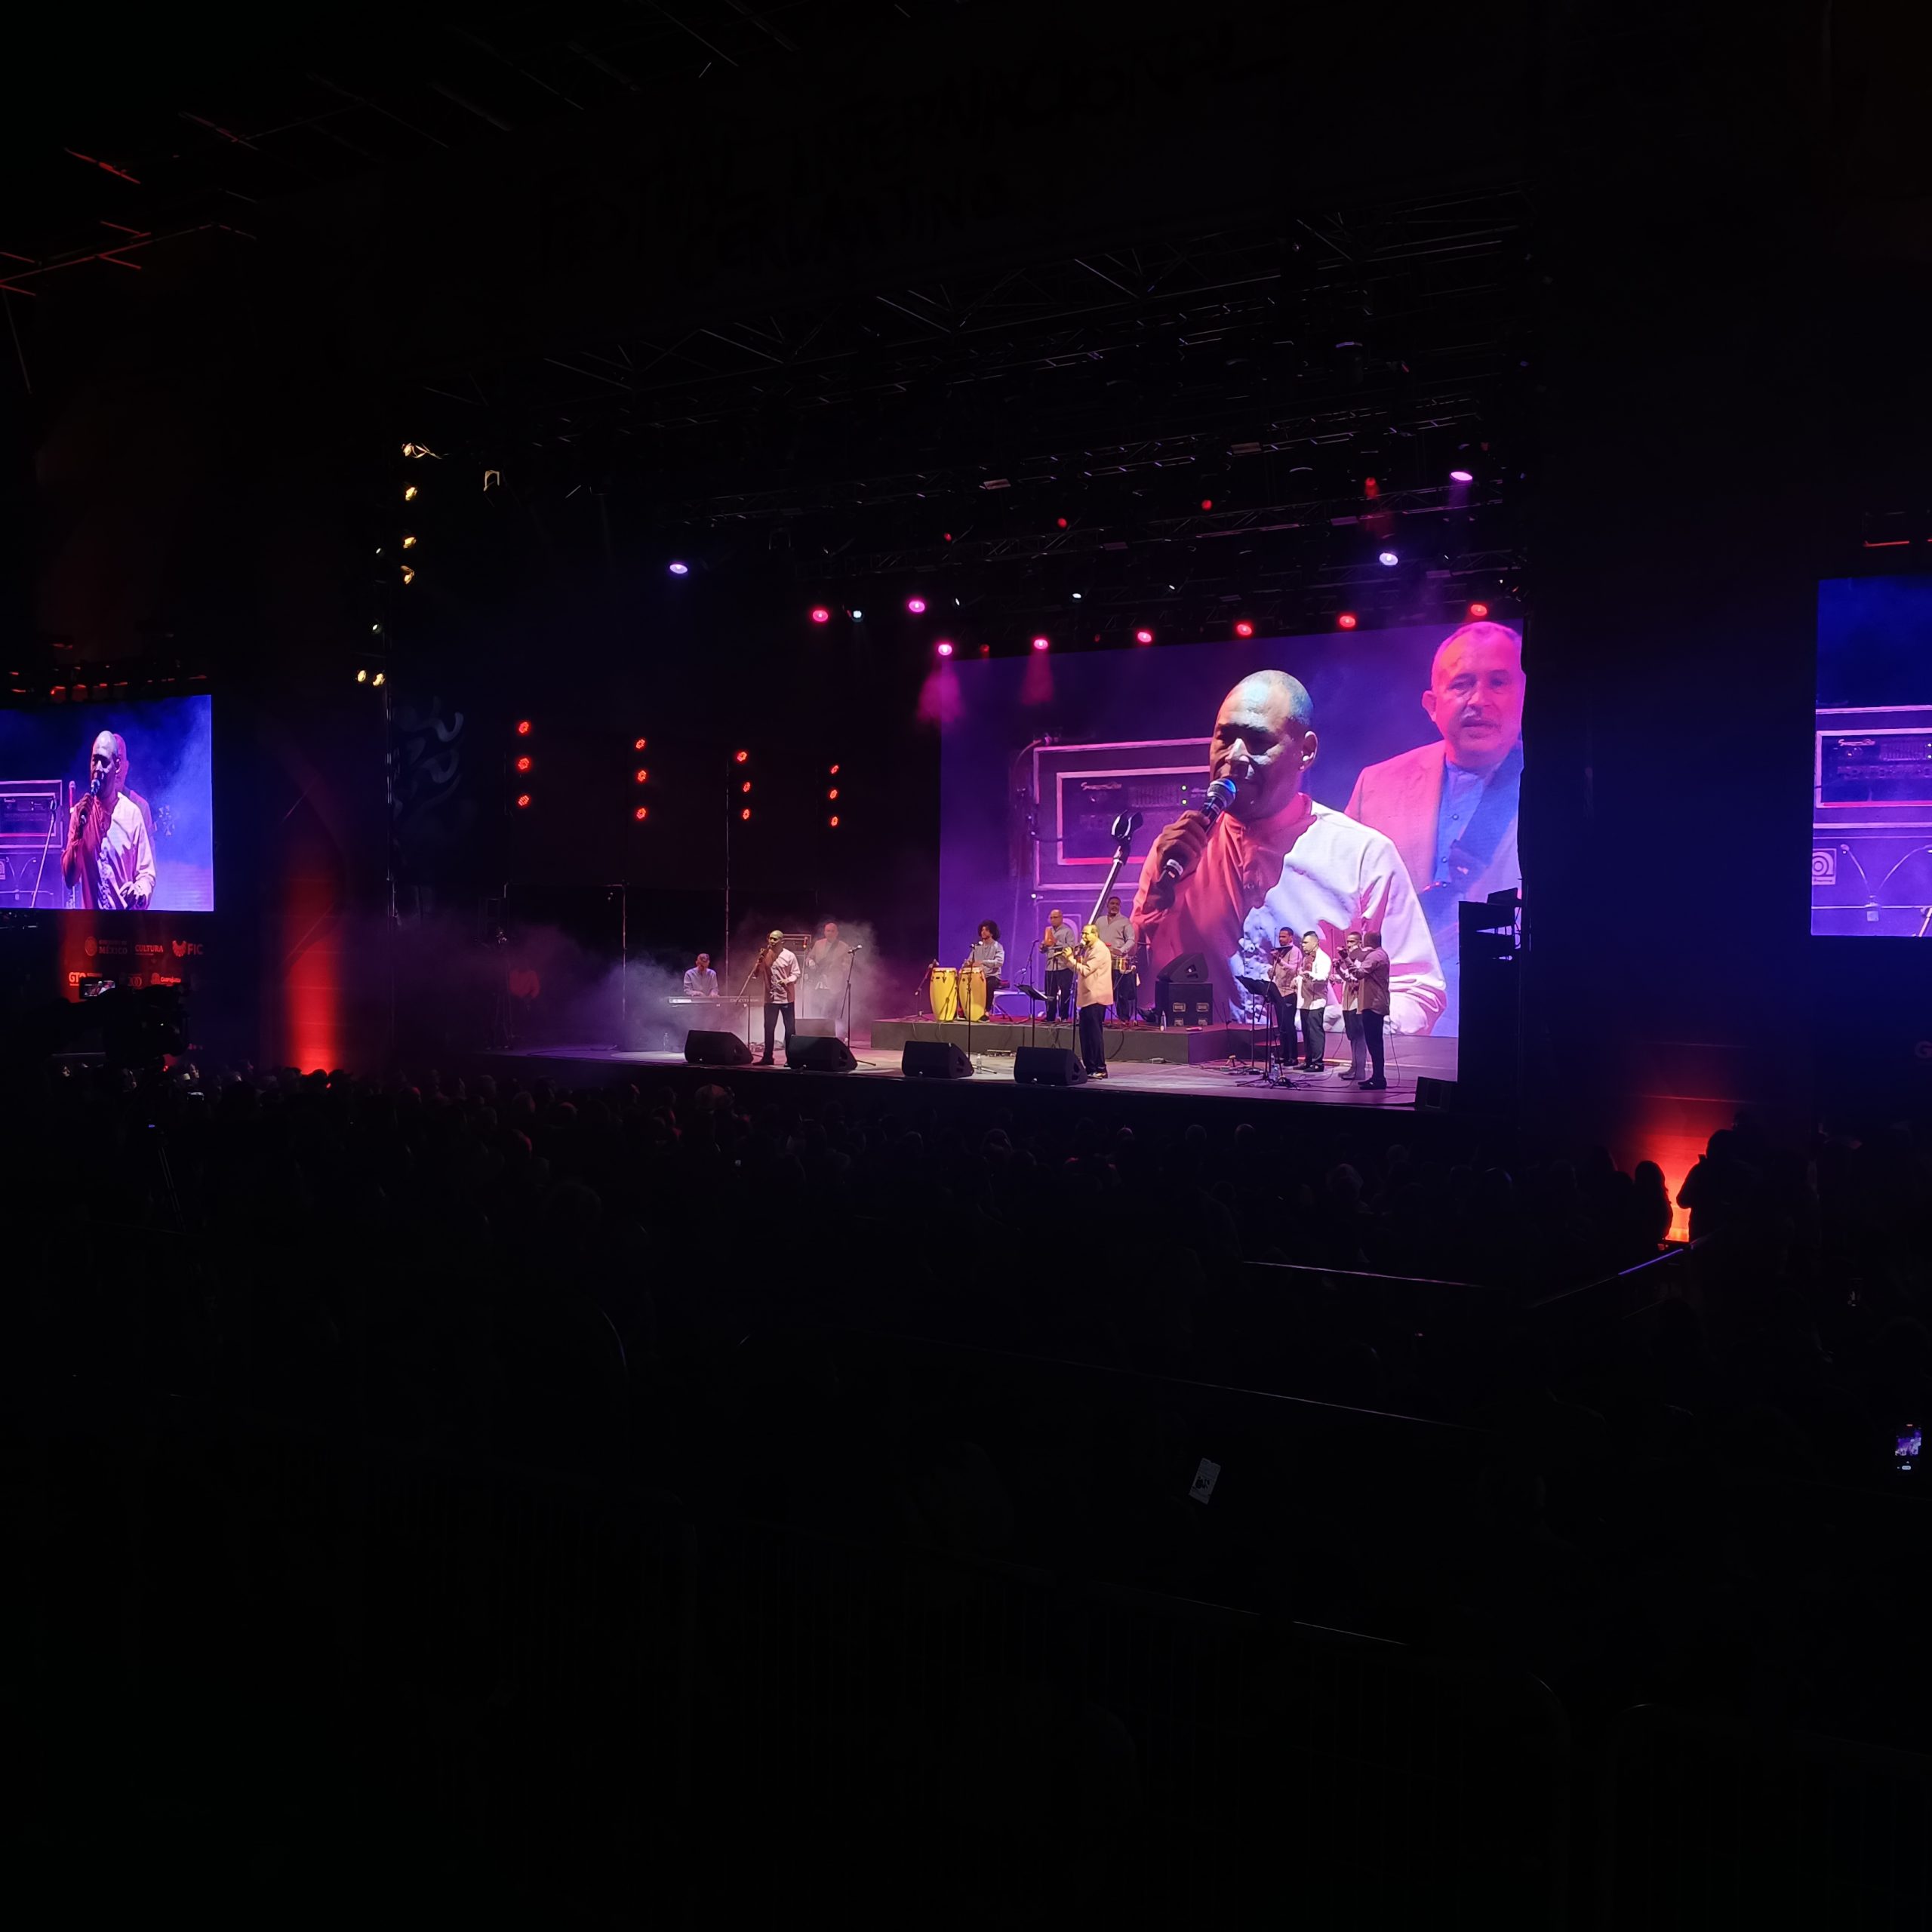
(1264, 740)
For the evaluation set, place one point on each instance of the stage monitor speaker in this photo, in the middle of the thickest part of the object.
(934, 1060)
(715, 1050)
(1434, 1097)
(1048, 1066)
(820, 1054)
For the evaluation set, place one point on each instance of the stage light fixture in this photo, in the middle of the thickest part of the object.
(858, 616)
(1243, 628)
(642, 812)
(678, 569)
(1347, 621)
(1061, 521)
(917, 605)
(986, 650)
(523, 763)
(408, 574)
(833, 821)
(740, 757)
(1076, 595)
(523, 801)
(523, 728)
(833, 770)
(1478, 610)
(639, 746)
(1388, 560)
(377, 680)
(1462, 476)
(833, 793)
(410, 493)
(375, 630)
(408, 543)
(1143, 635)
(947, 534)
(943, 648)
(820, 615)
(1207, 502)
(1042, 644)
(746, 813)
(361, 677)
(746, 787)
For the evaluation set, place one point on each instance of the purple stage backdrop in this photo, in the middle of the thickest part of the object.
(1040, 753)
(169, 786)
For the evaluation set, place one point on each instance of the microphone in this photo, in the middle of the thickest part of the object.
(1220, 796)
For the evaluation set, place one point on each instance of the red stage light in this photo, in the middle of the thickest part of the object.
(1042, 644)
(643, 812)
(1478, 610)
(746, 813)
(523, 765)
(746, 787)
(742, 756)
(834, 770)
(986, 650)
(833, 821)
(820, 615)
(641, 774)
(917, 605)
(1369, 487)
(833, 793)
(1347, 621)
(1243, 628)
(1207, 502)
(947, 534)
(523, 801)
(1061, 521)
(943, 647)
(638, 746)
(523, 728)
(1143, 636)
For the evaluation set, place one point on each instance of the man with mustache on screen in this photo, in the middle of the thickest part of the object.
(1451, 807)
(1275, 859)
(109, 854)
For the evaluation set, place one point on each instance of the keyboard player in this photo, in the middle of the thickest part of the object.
(700, 982)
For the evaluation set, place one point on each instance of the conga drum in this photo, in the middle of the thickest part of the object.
(943, 992)
(972, 993)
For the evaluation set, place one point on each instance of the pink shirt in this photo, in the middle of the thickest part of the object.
(1308, 867)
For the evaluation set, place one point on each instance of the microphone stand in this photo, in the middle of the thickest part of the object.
(851, 960)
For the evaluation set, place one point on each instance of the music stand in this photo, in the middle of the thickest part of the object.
(1271, 1073)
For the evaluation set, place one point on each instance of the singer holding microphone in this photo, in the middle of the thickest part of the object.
(1262, 855)
(109, 855)
(778, 967)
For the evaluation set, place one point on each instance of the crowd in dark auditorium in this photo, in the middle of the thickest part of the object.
(1008, 1332)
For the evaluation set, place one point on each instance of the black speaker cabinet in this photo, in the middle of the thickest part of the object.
(715, 1050)
(820, 1053)
(1047, 1066)
(934, 1060)
(1434, 1097)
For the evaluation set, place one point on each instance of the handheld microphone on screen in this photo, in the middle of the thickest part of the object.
(1220, 796)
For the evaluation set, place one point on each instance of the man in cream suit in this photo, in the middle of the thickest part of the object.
(1450, 808)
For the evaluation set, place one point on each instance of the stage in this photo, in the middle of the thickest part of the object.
(1191, 1063)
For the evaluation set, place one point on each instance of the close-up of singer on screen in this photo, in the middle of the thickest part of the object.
(109, 854)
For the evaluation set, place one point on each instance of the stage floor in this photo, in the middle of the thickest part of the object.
(1181, 1070)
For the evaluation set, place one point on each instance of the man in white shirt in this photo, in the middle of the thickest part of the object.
(1094, 968)
(1056, 962)
(700, 982)
(1275, 858)
(109, 857)
(778, 966)
(1117, 935)
(1312, 991)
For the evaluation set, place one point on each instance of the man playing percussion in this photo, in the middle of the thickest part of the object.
(988, 957)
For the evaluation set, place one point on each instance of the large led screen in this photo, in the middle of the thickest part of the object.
(1872, 760)
(1375, 777)
(109, 807)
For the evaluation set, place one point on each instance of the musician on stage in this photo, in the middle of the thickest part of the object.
(1117, 933)
(777, 966)
(990, 957)
(109, 855)
(1312, 997)
(828, 964)
(1093, 966)
(1367, 967)
(1350, 983)
(700, 982)
(1056, 961)
(1284, 979)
